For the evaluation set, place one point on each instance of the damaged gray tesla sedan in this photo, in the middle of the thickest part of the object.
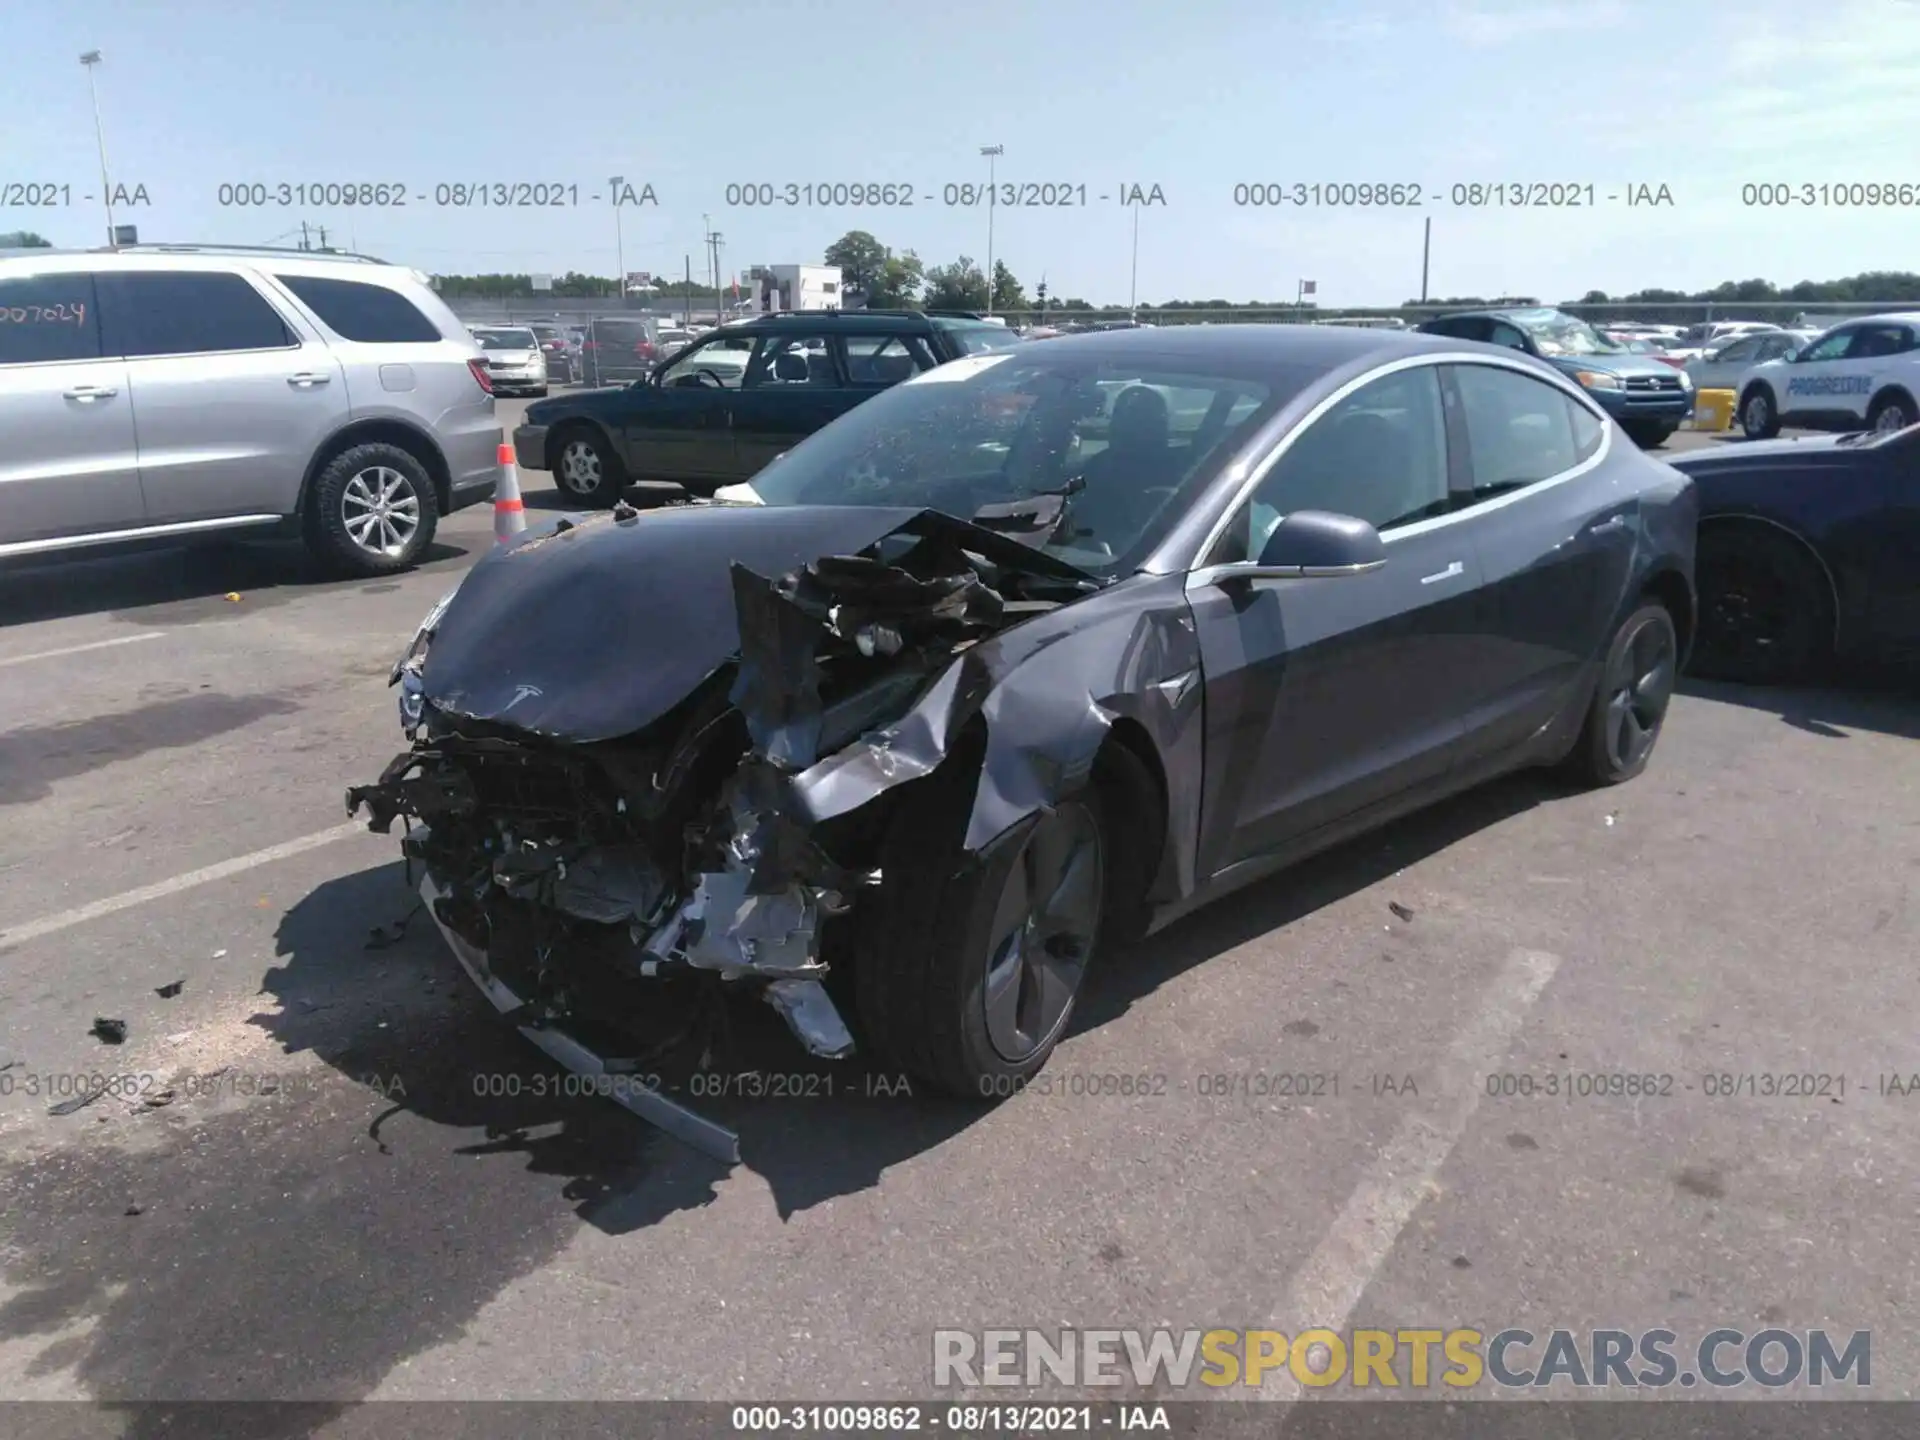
(1032, 653)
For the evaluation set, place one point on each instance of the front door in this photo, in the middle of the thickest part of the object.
(1820, 384)
(230, 404)
(1554, 529)
(793, 387)
(1327, 696)
(679, 426)
(68, 463)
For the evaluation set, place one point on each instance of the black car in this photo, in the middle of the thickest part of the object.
(1031, 653)
(1809, 553)
(558, 351)
(619, 349)
(1648, 397)
(718, 410)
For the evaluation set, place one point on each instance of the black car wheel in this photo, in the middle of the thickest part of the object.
(1648, 434)
(371, 511)
(1630, 702)
(1892, 411)
(586, 468)
(1766, 615)
(1758, 419)
(967, 968)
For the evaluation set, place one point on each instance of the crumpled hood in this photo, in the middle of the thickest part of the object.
(597, 631)
(1751, 454)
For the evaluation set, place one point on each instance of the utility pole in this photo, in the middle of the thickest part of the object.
(323, 236)
(689, 296)
(614, 182)
(303, 236)
(91, 59)
(992, 152)
(1133, 290)
(1426, 254)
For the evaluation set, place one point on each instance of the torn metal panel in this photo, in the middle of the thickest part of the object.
(812, 1016)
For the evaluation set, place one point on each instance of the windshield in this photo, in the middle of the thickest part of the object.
(982, 339)
(505, 339)
(1559, 334)
(1092, 460)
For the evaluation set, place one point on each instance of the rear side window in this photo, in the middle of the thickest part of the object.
(48, 317)
(185, 312)
(369, 314)
(1520, 430)
(886, 359)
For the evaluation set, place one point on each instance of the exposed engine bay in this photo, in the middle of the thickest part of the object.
(610, 893)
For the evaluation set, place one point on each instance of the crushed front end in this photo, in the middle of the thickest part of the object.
(611, 894)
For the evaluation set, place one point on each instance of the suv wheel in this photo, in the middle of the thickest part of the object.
(1757, 417)
(585, 467)
(372, 510)
(1891, 412)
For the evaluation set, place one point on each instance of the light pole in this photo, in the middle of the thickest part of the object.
(992, 152)
(614, 182)
(1133, 284)
(91, 59)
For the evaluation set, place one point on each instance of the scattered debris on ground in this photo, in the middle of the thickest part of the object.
(77, 1103)
(173, 988)
(109, 1032)
(1405, 912)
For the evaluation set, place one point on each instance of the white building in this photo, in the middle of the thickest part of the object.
(795, 287)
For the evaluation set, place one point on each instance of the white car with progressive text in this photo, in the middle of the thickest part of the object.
(1863, 375)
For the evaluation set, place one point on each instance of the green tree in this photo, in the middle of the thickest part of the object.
(1007, 294)
(900, 282)
(861, 258)
(959, 286)
(24, 240)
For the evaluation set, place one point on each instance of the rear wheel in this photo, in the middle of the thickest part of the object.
(1765, 611)
(586, 468)
(968, 967)
(1891, 411)
(371, 511)
(1758, 419)
(1630, 702)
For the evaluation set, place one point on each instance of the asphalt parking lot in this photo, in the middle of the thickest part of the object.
(323, 1193)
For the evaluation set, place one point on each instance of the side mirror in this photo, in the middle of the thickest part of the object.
(1312, 544)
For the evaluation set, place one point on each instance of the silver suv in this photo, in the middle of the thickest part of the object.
(173, 392)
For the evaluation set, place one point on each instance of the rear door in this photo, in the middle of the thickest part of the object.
(68, 462)
(1327, 696)
(1553, 526)
(792, 387)
(230, 402)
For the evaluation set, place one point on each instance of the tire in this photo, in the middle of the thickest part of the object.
(1766, 612)
(1893, 410)
(372, 511)
(1648, 435)
(1759, 419)
(923, 972)
(586, 467)
(541, 393)
(1629, 706)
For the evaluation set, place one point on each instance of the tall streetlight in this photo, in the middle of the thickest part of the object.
(91, 59)
(1133, 285)
(614, 182)
(992, 152)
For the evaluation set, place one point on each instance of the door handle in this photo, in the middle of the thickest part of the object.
(91, 392)
(1608, 526)
(1451, 572)
(307, 379)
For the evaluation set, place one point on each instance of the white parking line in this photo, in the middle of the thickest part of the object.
(80, 649)
(127, 899)
(1326, 1289)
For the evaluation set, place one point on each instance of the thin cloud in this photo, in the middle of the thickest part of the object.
(1485, 26)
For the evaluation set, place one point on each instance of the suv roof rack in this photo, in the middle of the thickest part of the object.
(292, 251)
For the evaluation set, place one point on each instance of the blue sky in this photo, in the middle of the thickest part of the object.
(1195, 97)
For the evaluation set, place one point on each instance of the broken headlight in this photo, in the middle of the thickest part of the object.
(406, 670)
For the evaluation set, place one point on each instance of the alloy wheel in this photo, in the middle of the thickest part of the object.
(580, 467)
(1893, 416)
(1759, 412)
(1043, 932)
(1639, 687)
(381, 511)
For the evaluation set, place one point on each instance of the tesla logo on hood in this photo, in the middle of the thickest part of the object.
(523, 692)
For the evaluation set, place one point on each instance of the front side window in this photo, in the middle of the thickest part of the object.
(368, 314)
(146, 313)
(1091, 460)
(1521, 430)
(1379, 455)
(44, 318)
(718, 362)
(1829, 347)
(791, 362)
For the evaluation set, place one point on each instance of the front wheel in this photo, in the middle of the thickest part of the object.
(1630, 702)
(968, 966)
(1765, 609)
(586, 468)
(372, 511)
(1648, 435)
(1758, 419)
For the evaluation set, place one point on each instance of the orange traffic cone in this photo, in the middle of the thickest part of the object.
(509, 514)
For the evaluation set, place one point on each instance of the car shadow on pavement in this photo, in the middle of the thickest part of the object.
(179, 585)
(1883, 702)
